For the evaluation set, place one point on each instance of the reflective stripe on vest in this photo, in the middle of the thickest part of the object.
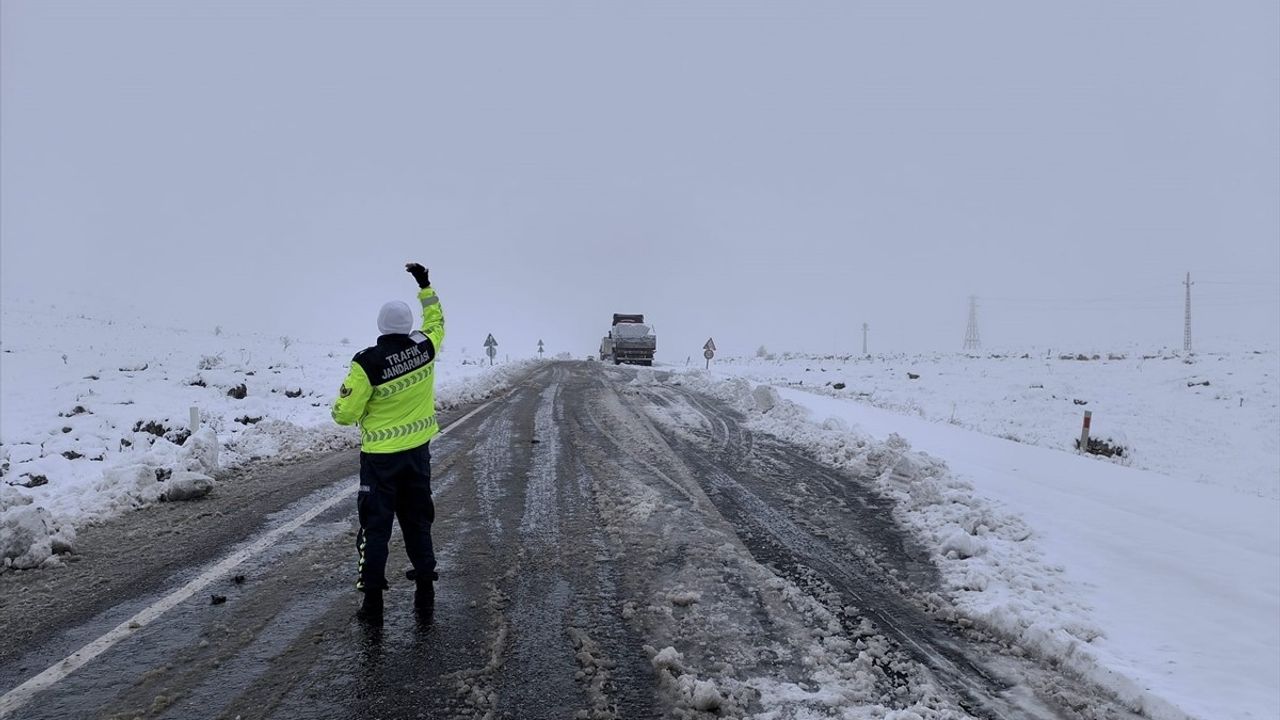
(399, 431)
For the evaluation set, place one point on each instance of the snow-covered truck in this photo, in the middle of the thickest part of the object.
(629, 341)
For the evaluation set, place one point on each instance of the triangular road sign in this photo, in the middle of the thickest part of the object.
(490, 342)
(711, 345)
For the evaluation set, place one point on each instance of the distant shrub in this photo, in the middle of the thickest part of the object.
(209, 362)
(34, 481)
(239, 392)
(175, 435)
(150, 426)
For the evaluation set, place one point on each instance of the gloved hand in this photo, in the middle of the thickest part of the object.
(419, 273)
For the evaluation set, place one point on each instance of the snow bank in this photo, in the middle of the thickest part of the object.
(95, 429)
(1166, 592)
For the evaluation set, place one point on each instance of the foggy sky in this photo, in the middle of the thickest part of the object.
(764, 173)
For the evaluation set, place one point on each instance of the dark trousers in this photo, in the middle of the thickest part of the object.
(394, 485)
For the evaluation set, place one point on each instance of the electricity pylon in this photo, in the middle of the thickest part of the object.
(971, 339)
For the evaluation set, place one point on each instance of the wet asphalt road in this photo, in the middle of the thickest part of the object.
(563, 510)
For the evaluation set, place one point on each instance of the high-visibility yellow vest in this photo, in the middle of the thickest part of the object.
(390, 390)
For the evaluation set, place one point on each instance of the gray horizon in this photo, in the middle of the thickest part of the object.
(762, 173)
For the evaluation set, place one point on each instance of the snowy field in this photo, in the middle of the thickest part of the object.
(95, 414)
(1156, 574)
(1212, 419)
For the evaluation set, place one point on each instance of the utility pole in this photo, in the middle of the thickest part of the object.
(971, 339)
(1186, 327)
(865, 328)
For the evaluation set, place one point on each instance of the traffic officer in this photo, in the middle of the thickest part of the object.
(390, 393)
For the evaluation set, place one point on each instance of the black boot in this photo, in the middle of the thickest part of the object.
(425, 596)
(371, 607)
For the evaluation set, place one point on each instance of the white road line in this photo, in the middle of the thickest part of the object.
(23, 693)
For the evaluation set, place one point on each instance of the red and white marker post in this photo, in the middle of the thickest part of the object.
(1084, 432)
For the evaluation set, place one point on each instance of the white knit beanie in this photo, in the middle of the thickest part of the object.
(396, 318)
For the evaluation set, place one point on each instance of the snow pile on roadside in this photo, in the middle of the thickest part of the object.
(1208, 418)
(90, 430)
(455, 389)
(993, 567)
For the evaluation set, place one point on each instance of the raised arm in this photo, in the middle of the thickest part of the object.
(432, 313)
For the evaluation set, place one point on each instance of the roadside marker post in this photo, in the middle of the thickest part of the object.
(1084, 431)
(195, 419)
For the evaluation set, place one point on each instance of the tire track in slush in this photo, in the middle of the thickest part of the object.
(540, 676)
(613, 670)
(733, 480)
(776, 537)
(491, 458)
(538, 526)
(595, 645)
